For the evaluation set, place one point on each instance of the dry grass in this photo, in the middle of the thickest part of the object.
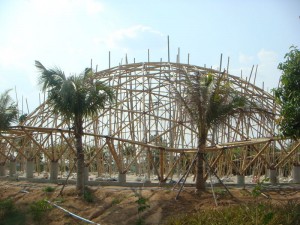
(118, 205)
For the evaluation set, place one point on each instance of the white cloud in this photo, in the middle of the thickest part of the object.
(62, 7)
(14, 52)
(50, 8)
(93, 7)
(267, 57)
(267, 72)
(122, 38)
(9, 56)
(267, 68)
(245, 59)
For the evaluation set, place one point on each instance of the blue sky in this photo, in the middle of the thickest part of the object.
(69, 33)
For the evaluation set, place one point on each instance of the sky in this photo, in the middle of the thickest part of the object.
(69, 33)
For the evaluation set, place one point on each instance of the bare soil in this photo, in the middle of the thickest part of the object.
(117, 205)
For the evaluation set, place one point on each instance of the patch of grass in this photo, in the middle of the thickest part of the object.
(140, 221)
(6, 207)
(249, 214)
(88, 195)
(245, 192)
(257, 191)
(116, 201)
(220, 192)
(49, 189)
(142, 205)
(59, 200)
(167, 191)
(39, 209)
(10, 215)
(16, 218)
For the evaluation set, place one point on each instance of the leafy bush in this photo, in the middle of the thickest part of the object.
(142, 205)
(88, 195)
(6, 207)
(38, 209)
(49, 189)
(10, 215)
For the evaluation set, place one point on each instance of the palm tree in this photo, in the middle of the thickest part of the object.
(8, 111)
(207, 99)
(75, 98)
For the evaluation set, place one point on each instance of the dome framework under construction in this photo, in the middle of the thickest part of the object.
(146, 131)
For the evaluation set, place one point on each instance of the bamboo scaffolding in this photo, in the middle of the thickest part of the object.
(147, 108)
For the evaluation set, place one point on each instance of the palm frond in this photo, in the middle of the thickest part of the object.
(180, 96)
(88, 74)
(76, 96)
(8, 110)
(98, 96)
(209, 98)
(49, 78)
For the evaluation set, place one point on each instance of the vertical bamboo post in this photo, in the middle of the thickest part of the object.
(161, 158)
(168, 49)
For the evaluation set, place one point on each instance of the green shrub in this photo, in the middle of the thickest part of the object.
(142, 205)
(10, 215)
(6, 207)
(258, 188)
(38, 210)
(116, 201)
(88, 195)
(49, 189)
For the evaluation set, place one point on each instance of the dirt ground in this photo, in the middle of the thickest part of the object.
(117, 205)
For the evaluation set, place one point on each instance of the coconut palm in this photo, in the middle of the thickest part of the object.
(207, 99)
(75, 98)
(8, 111)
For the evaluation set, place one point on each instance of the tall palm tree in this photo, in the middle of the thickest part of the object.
(8, 111)
(75, 98)
(207, 99)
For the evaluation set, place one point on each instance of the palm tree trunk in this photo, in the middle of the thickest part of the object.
(200, 180)
(78, 131)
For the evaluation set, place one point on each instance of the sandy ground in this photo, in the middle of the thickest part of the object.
(117, 205)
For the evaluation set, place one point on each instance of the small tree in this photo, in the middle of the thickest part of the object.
(75, 98)
(8, 111)
(208, 99)
(288, 94)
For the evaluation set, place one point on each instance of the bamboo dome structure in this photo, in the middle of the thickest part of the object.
(147, 131)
